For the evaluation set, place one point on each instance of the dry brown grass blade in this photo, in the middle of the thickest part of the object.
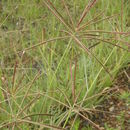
(88, 22)
(121, 41)
(106, 18)
(95, 22)
(37, 114)
(106, 41)
(39, 124)
(69, 15)
(78, 34)
(103, 111)
(11, 98)
(94, 45)
(57, 14)
(21, 121)
(55, 9)
(91, 110)
(50, 40)
(109, 32)
(86, 10)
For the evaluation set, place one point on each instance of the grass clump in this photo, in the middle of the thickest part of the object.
(58, 60)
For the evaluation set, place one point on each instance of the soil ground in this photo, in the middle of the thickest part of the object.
(115, 109)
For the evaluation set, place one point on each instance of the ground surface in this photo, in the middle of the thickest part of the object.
(116, 107)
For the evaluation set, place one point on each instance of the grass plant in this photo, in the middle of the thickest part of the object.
(58, 60)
